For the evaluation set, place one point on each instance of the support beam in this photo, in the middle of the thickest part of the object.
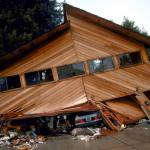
(116, 62)
(23, 81)
(144, 103)
(55, 75)
(86, 67)
(109, 117)
(144, 55)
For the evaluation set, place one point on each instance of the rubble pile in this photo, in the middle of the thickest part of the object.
(21, 141)
(27, 134)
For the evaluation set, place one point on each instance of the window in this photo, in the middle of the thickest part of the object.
(13, 82)
(10, 82)
(37, 77)
(100, 65)
(130, 59)
(70, 70)
(148, 52)
(3, 84)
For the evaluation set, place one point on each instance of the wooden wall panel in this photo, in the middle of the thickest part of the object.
(127, 107)
(119, 83)
(130, 78)
(43, 99)
(100, 89)
(94, 41)
(57, 52)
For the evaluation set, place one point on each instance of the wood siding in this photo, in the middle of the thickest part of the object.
(119, 83)
(93, 41)
(58, 52)
(82, 42)
(42, 99)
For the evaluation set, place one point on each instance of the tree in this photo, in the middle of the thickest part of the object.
(129, 24)
(23, 20)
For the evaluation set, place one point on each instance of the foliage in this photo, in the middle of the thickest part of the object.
(129, 24)
(23, 20)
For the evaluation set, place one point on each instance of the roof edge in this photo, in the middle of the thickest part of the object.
(77, 12)
(26, 48)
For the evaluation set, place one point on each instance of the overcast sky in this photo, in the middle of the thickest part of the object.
(136, 10)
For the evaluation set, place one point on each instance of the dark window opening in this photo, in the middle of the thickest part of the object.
(70, 70)
(11, 82)
(37, 77)
(46, 75)
(32, 78)
(130, 59)
(147, 93)
(100, 65)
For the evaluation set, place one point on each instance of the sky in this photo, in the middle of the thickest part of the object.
(115, 10)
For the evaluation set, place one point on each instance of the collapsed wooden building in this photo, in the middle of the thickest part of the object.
(86, 63)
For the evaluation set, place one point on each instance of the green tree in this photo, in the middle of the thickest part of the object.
(23, 20)
(129, 24)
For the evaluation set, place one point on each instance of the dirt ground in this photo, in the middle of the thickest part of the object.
(133, 138)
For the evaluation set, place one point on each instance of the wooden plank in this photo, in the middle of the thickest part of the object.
(116, 62)
(144, 55)
(127, 107)
(108, 116)
(22, 80)
(45, 98)
(86, 67)
(55, 75)
(144, 103)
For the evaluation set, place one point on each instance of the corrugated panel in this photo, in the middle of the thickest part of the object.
(46, 98)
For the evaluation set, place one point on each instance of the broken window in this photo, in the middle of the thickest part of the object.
(10, 82)
(148, 52)
(37, 77)
(70, 70)
(100, 65)
(130, 59)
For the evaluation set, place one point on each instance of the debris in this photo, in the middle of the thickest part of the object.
(86, 134)
(105, 131)
(122, 127)
(82, 131)
(144, 121)
(21, 142)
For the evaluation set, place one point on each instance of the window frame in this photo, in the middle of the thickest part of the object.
(85, 66)
(11, 89)
(132, 64)
(76, 76)
(101, 58)
(40, 82)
